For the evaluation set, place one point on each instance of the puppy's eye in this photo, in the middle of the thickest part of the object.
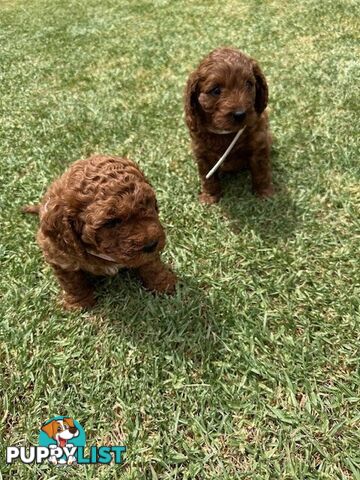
(114, 222)
(215, 92)
(249, 84)
(59, 429)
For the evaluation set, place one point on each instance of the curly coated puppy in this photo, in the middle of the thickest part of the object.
(226, 93)
(100, 216)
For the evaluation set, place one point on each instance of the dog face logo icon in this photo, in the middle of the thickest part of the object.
(64, 433)
(61, 431)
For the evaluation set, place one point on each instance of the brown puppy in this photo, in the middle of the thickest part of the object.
(101, 215)
(227, 92)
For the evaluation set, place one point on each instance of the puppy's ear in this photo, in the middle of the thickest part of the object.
(60, 223)
(192, 106)
(262, 92)
(72, 428)
(50, 428)
(69, 421)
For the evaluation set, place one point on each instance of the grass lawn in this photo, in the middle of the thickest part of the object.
(251, 370)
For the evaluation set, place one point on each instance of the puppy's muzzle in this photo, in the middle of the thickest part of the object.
(239, 116)
(150, 247)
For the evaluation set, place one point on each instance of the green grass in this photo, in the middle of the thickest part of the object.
(251, 370)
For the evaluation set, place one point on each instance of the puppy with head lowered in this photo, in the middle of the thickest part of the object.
(100, 216)
(226, 97)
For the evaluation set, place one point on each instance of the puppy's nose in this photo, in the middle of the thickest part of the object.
(73, 430)
(239, 115)
(150, 247)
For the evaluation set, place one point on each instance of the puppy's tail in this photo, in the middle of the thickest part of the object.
(35, 209)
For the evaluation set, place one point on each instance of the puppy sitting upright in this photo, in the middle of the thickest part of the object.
(101, 215)
(225, 94)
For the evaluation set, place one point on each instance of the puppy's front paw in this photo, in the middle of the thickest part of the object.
(165, 282)
(72, 302)
(208, 198)
(265, 192)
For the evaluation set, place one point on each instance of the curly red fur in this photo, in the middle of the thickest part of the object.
(101, 207)
(225, 82)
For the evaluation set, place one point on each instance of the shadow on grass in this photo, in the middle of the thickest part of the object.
(271, 219)
(183, 324)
